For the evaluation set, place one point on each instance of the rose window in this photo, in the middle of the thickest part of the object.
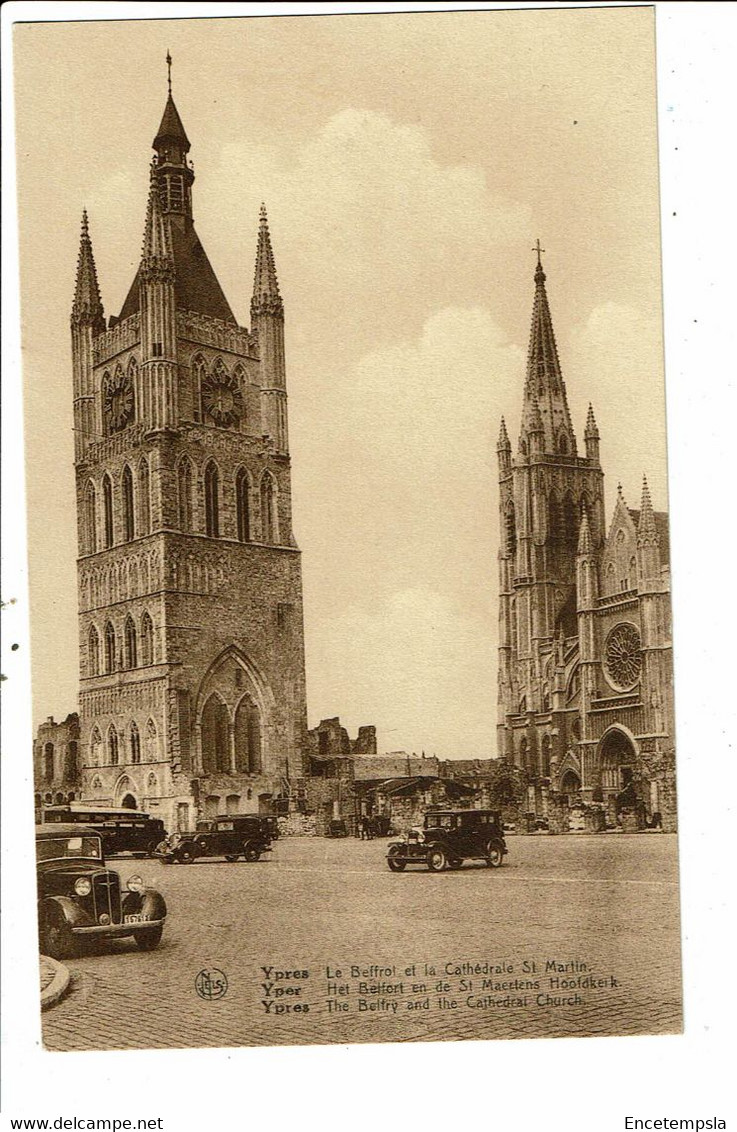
(623, 657)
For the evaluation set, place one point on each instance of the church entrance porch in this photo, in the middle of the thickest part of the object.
(618, 762)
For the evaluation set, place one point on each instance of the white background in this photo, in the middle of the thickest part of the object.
(572, 1084)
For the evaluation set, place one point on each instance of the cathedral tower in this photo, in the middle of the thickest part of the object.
(585, 701)
(192, 696)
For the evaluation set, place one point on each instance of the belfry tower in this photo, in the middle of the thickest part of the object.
(192, 696)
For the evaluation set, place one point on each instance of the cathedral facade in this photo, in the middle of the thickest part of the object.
(191, 640)
(585, 684)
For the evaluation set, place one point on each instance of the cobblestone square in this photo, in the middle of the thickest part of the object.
(603, 910)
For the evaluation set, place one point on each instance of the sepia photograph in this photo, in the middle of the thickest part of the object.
(348, 529)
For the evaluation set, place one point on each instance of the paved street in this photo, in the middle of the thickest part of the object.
(603, 910)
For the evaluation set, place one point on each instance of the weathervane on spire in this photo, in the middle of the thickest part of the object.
(168, 79)
(539, 251)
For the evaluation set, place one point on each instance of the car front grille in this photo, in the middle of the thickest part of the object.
(106, 891)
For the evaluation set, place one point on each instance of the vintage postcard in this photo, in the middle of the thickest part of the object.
(348, 529)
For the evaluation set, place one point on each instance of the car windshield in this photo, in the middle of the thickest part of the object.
(58, 848)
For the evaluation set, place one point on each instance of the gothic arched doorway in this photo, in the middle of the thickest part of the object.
(617, 757)
(215, 737)
(570, 785)
(128, 802)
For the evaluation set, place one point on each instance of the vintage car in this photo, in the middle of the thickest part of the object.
(79, 899)
(231, 836)
(449, 838)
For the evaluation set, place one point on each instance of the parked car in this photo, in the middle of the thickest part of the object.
(121, 831)
(230, 836)
(448, 838)
(80, 899)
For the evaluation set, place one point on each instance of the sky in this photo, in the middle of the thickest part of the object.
(408, 164)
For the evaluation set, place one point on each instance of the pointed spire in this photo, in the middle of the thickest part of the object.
(585, 545)
(266, 298)
(157, 255)
(544, 379)
(591, 432)
(87, 305)
(171, 131)
(646, 528)
(502, 443)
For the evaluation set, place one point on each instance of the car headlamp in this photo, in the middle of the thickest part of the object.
(83, 886)
(135, 884)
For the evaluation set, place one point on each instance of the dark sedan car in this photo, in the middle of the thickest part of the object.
(79, 898)
(230, 836)
(449, 838)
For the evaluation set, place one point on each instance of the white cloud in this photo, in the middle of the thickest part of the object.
(407, 543)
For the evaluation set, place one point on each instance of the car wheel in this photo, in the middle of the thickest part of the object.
(436, 860)
(394, 861)
(494, 855)
(455, 863)
(150, 939)
(231, 857)
(186, 856)
(57, 941)
(251, 852)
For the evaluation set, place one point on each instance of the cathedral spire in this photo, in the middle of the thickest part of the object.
(87, 305)
(584, 535)
(266, 298)
(544, 380)
(591, 437)
(646, 528)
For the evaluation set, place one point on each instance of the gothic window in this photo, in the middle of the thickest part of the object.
(131, 651)
(523, 447)
(570, 519)
(523, 705)
(268, 508)
(546, 746)
(523, 753)
(610, 578)
(242, 506)
(135, 741)
(633, 574)
(152, 783)
(199, 374)
(248, 737)
(215, 737)
(563, 444)
(184, 484)
(113, 754)
(212, 501)
(49, 761)
(107, 508)
(623, 656)
(109, 648)
(239, 383)
(90, 518)
(129, 530)
(93, 652)
(144, 499)
(546, 699)
(70, 762)
(147, 640)
(152, 742)
(574, 685)
(513, 623)
(95, 747)
(511, 529)
(553, 518)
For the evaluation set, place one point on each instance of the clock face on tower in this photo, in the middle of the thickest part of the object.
(222, 398)
(118, 401)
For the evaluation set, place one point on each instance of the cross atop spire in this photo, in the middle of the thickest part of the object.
(168, 67)
(87, 305)
(266, 298)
